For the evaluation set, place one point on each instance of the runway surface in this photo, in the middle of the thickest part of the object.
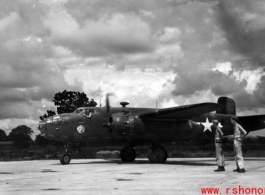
(97, 176)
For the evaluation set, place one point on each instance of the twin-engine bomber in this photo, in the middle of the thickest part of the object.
(131, 126)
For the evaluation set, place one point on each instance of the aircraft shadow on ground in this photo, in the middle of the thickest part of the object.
(192, 163)
(247, 159)
(254, 159)
(177, 162)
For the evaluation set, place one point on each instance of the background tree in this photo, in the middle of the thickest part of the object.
(69, 101)
(261, 139)
(21, 135)
(49, 113)
(3, 136)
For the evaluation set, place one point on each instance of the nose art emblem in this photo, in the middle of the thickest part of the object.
(80, 129)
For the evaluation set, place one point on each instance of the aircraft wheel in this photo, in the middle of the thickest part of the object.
(127, 154)
(159, 154)
(65, 159)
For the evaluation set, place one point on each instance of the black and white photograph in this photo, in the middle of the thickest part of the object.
(132, 97)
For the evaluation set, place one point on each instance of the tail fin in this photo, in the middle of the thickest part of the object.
(229, 106)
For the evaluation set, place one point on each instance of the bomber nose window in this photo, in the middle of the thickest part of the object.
(41, 124)
(56, 119)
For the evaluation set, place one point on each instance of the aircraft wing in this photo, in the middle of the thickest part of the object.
(182, 112)
(252, 123)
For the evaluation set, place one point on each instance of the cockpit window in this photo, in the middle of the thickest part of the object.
(79, 111)
(89, 113)
(84, 112)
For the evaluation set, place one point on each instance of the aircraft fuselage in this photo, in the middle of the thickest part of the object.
(130, 126)
(73, 127)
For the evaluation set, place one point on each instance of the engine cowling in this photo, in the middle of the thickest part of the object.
(122, 123)
(126, 124)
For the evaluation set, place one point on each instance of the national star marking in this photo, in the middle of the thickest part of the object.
(207, 125)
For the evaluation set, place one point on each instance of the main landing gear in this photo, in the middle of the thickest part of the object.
(128, 154)
(156, 154)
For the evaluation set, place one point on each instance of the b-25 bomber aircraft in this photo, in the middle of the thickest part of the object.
(131, 126)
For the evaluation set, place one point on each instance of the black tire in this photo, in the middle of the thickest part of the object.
(65, 159)
(127, 154)
(159, 154)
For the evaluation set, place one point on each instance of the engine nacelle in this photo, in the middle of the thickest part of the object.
(126, 124)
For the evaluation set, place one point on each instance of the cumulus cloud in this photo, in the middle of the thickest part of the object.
(243, 24)
(169, 103)
(118, 33)
(28, 75)
(225, 68)
(140, 88)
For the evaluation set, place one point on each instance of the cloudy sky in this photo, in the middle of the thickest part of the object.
(174, 52)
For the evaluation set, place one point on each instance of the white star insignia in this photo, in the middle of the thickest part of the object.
(207, 125)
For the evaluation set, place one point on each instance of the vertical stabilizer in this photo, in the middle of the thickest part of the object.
(229, 106)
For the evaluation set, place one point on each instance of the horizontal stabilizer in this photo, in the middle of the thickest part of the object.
(252, 123)
(182, 112)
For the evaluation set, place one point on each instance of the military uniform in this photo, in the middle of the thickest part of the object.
(219, 147)
(239, 133)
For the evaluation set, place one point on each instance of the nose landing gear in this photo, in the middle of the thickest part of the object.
(66, 157)
(70, 148)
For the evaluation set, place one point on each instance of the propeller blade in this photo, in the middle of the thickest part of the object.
(107, 104)
(107, 125)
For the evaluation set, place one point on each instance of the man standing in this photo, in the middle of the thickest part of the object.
(218, 146)
(239, 135)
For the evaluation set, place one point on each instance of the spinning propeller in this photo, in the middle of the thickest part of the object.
(108, 125)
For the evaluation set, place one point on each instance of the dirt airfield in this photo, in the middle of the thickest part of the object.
(97, 176)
